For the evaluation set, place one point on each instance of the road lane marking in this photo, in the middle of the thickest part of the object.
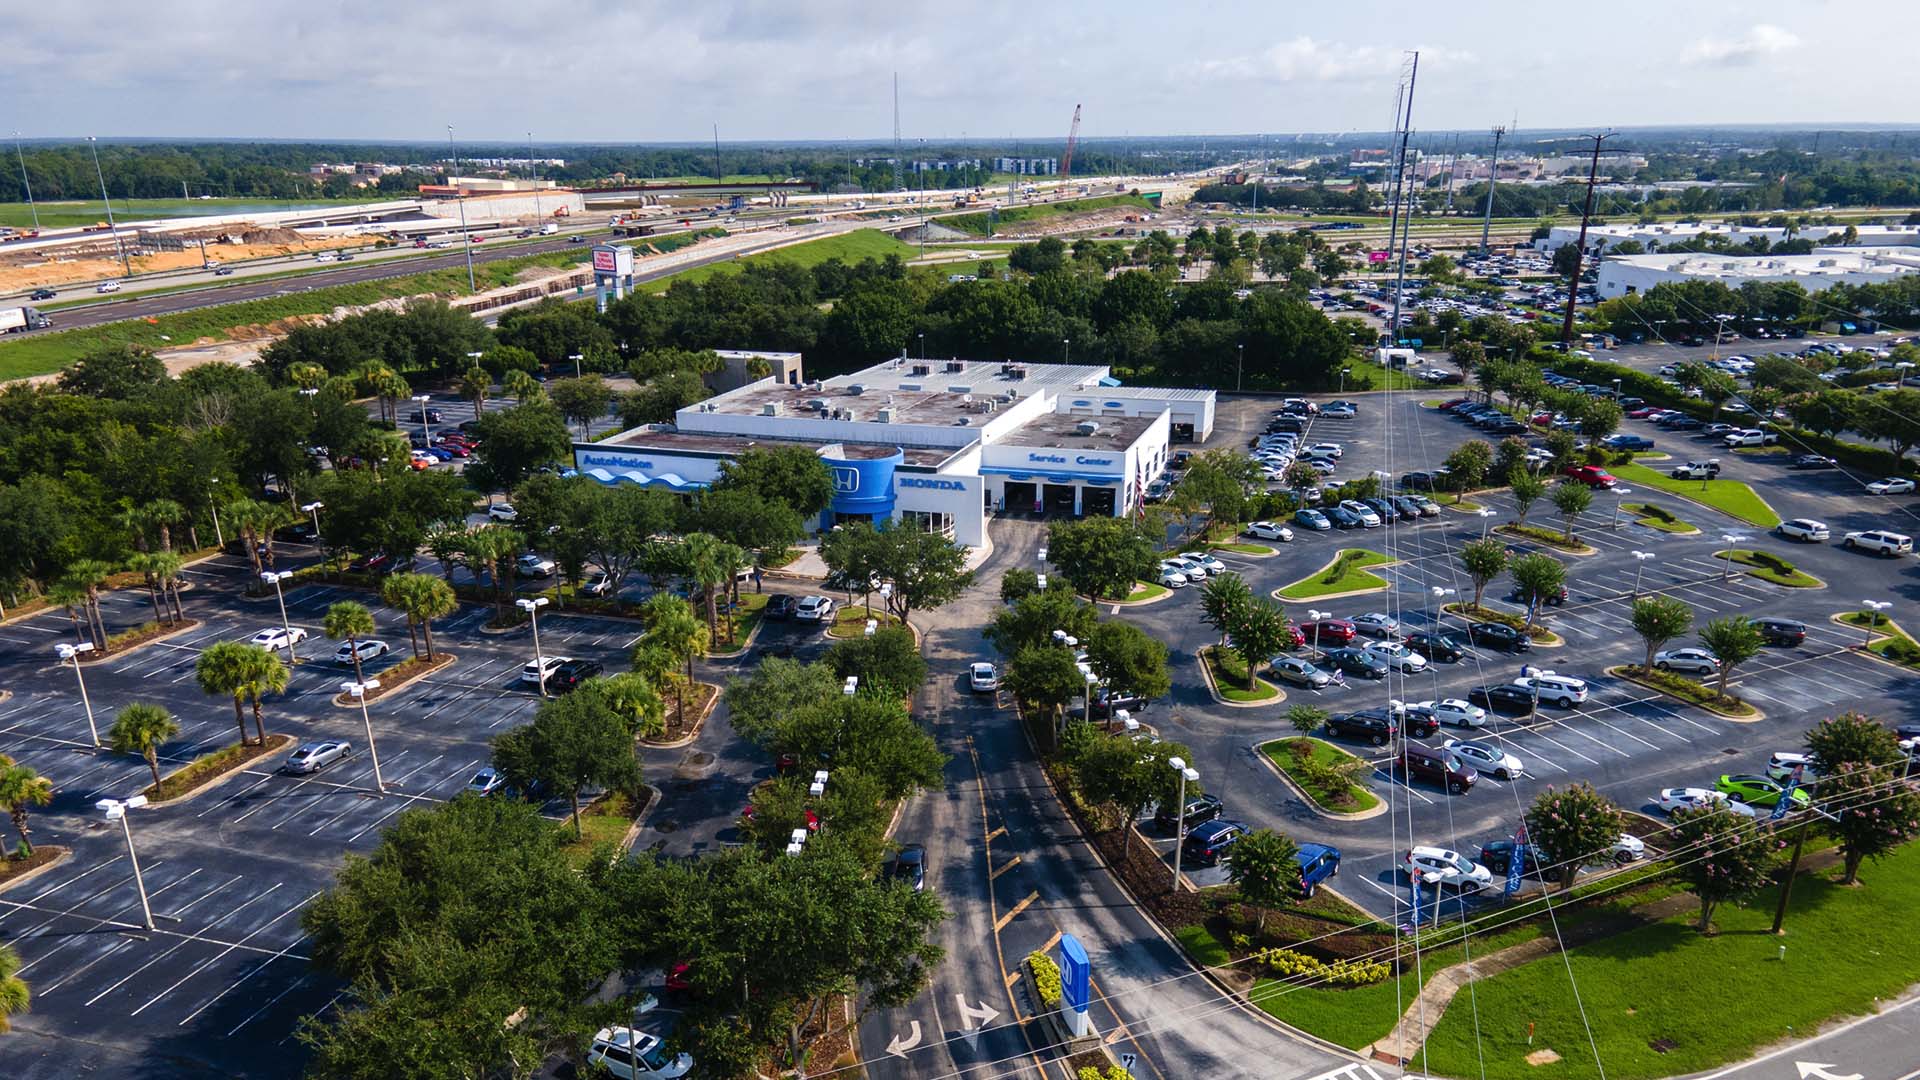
(1011, 863)
(1001, 923)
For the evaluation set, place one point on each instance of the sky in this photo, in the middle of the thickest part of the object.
(642, 71)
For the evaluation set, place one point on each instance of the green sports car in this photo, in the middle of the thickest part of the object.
(1758, 790)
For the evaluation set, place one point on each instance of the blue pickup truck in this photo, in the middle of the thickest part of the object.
(1318, 862)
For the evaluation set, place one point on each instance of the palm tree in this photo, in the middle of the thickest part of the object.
(637, 700)
(72, 597)
(256, 521)
(349, 621)
(673, 628)
(142, 563)
(474, 386)
(161, 514)
(167, 566)
(1222, 599)
(423, 598)
(521, 385)
(391, 388)
(21, 787)
(493, 547)
(244, 671)
(307, 376)
(14, 995)
(141, 728)
(705, 565)
(90, 575)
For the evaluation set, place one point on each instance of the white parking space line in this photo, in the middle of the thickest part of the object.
(216, 958)
(271, 1002)
(182, 943)
(123, 909)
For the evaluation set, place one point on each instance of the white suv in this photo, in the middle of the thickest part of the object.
(1879, 541)
(536, 671)
(1564, 691)
(1805, 530)
(1439, 866)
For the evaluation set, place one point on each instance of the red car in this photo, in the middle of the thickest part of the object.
(457, 449)
(1644, 411)
(1592, 475)
(813, 819)
(1327, 631)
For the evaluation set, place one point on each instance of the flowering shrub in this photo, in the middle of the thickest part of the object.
(1285, 963)
(1046, 978)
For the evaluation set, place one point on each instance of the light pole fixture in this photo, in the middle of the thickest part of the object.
(1239, 366)
(1187, 775)
(73, 653)
(274, 578)
(1091, 680)
(1486, 521)
(1731, 539)
(213, 505)
(1620, 496)
(358, 692)
(426, 429)
(1066, 347)
(116, 810)
(1315, 617)
(453, 181)
(1874, 607)
(94, 146)
(1343, 379)
(576, 358)
(923, 346)
(1640, 564)
(314, 508)
(532, 608)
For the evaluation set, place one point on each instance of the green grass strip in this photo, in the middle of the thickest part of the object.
(1730, 497)
(1353, 576)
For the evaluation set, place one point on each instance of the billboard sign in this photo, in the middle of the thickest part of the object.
(612, 259)
(1376, 257)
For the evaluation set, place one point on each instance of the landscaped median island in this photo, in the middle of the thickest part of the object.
(1540, 634)
(744, 617)
(1767, 566)
(398, 677)
(1239, 548)
(1646, 1023)
(1657, 517)
(1727, 496)
(208, 768)
(1347, 573)
(1324, 772)
(1143, 591)
(1889, 641)
(1550, 537)
(604, 821)
(851, 621)
(1688, 690)
(1228, 674)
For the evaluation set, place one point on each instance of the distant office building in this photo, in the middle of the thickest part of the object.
(1625, 275)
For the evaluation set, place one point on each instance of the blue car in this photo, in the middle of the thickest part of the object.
(1343, 519)
(1627, 442)
(443, 455)
(1308, 518)
(1318, 862)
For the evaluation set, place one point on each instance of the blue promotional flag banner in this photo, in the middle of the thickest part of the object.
(1416, 898)
(1786, 797)
(1519, 856)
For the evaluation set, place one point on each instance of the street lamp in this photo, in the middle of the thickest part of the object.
(1731, 539)
(453, 177)
(576, 358)
(1091, 679)
(1239, 366)
(1066, 346)
(1619, 496)
(116, 810)
(314, 508)
(358, 692)
(1874, 606)
(1316, 617)
(923, 346)
(1343, 379)
(74, 653)
(213, 504)
(274, 578)
(111, 226)
(1187, 775)
(1640, 564)
(426, 432)
(1486, 521)
(532, 608)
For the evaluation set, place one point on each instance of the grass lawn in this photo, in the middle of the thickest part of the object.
(69, 212)
(1280, 752)
(603, 822)
(745, 618)
(1769, 567)
(1657, 517)
(851, 621)
(1892, 644)
(1369, 377)
(1243, 549)
(848, 247)
(1727, 496)
(43, 353)
(1230, 676)
(977, 224)
(1839, 960)
(1704, 694)
(1350, 577)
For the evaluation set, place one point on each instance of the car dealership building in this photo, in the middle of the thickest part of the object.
(939, 444)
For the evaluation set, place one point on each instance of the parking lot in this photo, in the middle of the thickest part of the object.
(1626, 740)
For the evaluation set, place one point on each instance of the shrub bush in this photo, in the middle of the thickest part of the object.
(1341, 565)
(1046, 978)
(1902, 651)
(1658, 513)
(1773, 562)
(1286, 963)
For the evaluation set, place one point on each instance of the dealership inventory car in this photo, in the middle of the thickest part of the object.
(1441, 647)
(1372, 725)
(1361, 511)
(1691, 660)
(1878, 541)
(1775, 631)
(814, 609)
(1498, 636)
(982, 677)
(627, 1054)
(568, 676)
(278, 637)
(1805, 530)
(1213, 841)
(1675, 799)
(1267, 530)
(1695, 470)
(781, 606)
(1812, 461)
(363, 649)
(536, 671)
(1328, 632)
(1438, 866)
(1564, 691)
(1200, 809)
(1398, 656)
(1453, 712)
(312, 757)
(502, 512)
(1502, 698)
(1892, 485)
(487, 781)
(1298, 672)
(1376, 624)
(1486, 757)
(1357, 662)
(1758, 790)
(1308, 518)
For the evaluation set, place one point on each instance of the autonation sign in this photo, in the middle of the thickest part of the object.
(1060, 459)
(936, 485)
(613, 461)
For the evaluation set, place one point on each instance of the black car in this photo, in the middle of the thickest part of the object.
(300, 532)
(1358, 662)
(1287, 424)
(1341, 517)
(1812, 461)
(1514, 596)
(1781, 631)
(43, 294)
(1409, 509)
(909, 867)
(1106, 701)
(571, 674)
(1417, 481)
(1498, 857)
(1501, 697)
(1213, 841)
(1416, 725)
(1507, 427)
(430, 416)
(1683, 423)
(1200, 808)
(1444, 648)
(1387, 512)
(781, 606)
(1499, 636)
(1373, 725)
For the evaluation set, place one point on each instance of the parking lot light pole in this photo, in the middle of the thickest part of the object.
(275, 578)
(576, 358)
(426, 429)
(1620, 496)
(1091, 680)
(116, 810)
(1731, 539)
(1187, 776)
(532, 608)
(1874, 607)
(1239, 367)
(1640, 564)
(213, 505)
(1486, 522)
(358, 692)
(1343, 381)
(73, 653)
(314, 508)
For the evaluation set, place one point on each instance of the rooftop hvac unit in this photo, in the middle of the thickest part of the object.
(910, 386)
(817, 386)
(1013, 395)
(989, 405)
(849, 414)
(965, 421)
(922, 369)
(956, 365)
(817, 403)
(771, 408)
(884, 416)
(1008, 396)
(1019, 372)
(856, 389)
(959, 389)
(1088, 427)
(1829, 262)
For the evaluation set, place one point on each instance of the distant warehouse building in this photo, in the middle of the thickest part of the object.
(1604, 238)
(940, 445)
(1624, 275)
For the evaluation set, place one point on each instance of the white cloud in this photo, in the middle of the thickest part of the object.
(1761, 41)
(1305, 60)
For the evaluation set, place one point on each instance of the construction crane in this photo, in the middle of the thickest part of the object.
(1073, 138)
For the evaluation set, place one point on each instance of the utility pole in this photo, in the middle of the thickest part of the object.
(1580, 246)
(1493, 175)
(93, 145)
(898, 183)
(26, 183)
(466, 240)
(1399, 184)
(1453, 166)
(534, 175)
(718, 178)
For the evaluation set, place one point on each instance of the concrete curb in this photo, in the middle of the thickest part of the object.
(1753, 572)
(1626, 673)
(1877, 638)
(441, 660)
(1380, 805)
(1370, 568)
(62, 855)
(1206, 672)
(276, 742)
(699, 725)
(107, 658)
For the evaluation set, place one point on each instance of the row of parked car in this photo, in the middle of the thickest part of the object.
(1210, 837)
